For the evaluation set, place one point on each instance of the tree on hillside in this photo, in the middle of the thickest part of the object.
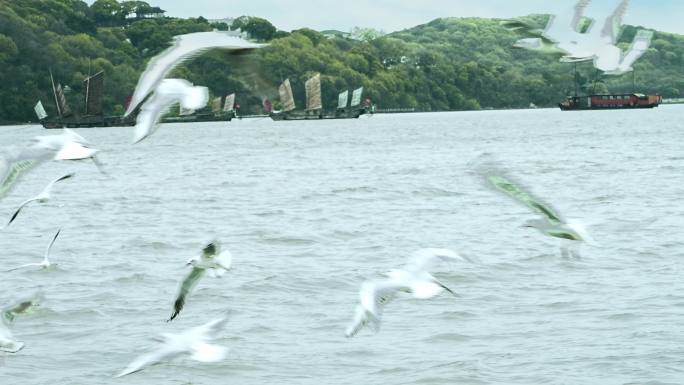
(256, 27)
(107, 13)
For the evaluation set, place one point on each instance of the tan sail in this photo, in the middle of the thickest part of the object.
(313, 93)
(216, 105)
(286, 98)
(356, 97)
(229, 105)
(93, 89)
(62, 102)
(342, 100)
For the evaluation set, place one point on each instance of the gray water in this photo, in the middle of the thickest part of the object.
(311, 209)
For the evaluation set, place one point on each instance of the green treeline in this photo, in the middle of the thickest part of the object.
(446, 64)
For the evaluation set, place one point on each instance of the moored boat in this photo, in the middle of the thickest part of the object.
(314, 106)
(612, 101)
(92, 116)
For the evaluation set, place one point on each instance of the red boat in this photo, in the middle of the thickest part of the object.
(614, 101)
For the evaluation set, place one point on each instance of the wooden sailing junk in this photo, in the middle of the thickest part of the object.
(92, 116)
(220, 112)
(314, 106)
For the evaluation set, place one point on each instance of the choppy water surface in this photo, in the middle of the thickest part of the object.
(311, 209)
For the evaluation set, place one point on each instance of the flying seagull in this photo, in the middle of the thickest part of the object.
(7, 342)
(571, 232)
(45, 264)
(217, 265)
(15, 160)
(167, 93)
(22, 305)
(413, 278)
(184, 47)
(194, 342)
(43, 197)
(8, 313)
(558, 29)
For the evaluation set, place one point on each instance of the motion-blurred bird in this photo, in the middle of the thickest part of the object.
(209, 260)
(167, 93)
(15, 161)
(413, 278)
(194, 342)
(184, 47)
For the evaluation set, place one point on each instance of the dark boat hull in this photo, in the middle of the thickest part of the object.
(89, 121)
(341, 114)
(610, 102)
(199, 118)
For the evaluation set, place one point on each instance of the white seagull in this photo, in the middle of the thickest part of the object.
(571, 232)
(184, 47)
(194, 342)
(414, 278)
(217, 265)
(43, 197)
(7, 342)
(15, 161)
(167, 93)
(45, 263)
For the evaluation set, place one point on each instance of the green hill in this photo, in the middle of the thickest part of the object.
(446, 64)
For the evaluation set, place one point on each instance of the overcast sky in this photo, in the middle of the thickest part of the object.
(393, 15)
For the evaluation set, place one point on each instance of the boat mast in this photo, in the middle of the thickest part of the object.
(54, 92)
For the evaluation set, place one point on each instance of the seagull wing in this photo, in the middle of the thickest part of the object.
(360, 320)
(46, 191)
(207, 331)
(204, 352)
(47, 250)
(516, 192)
(224, 260)
(375, 294)
(11, 171)
(611, 27)
(639, 46)
(425, 259)
(166, 94)
(147, 120)
(580, 8)
(7, 344)
(21, 206)
(188, 284)
(184, 47)
(24, 266)
(164, 353)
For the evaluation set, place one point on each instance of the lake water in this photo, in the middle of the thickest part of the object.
(311, 209)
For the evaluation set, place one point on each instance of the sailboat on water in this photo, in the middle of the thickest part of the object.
(314, 106)
(220, 112)
(92, 115)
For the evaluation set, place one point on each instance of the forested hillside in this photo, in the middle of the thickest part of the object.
(446, 64)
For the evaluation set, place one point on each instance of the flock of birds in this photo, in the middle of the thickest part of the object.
(154, 94)
(576, 39)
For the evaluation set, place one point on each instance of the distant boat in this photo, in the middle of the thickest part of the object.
(92, 116)
(611, 101)
(220, 112)
(314, 106)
